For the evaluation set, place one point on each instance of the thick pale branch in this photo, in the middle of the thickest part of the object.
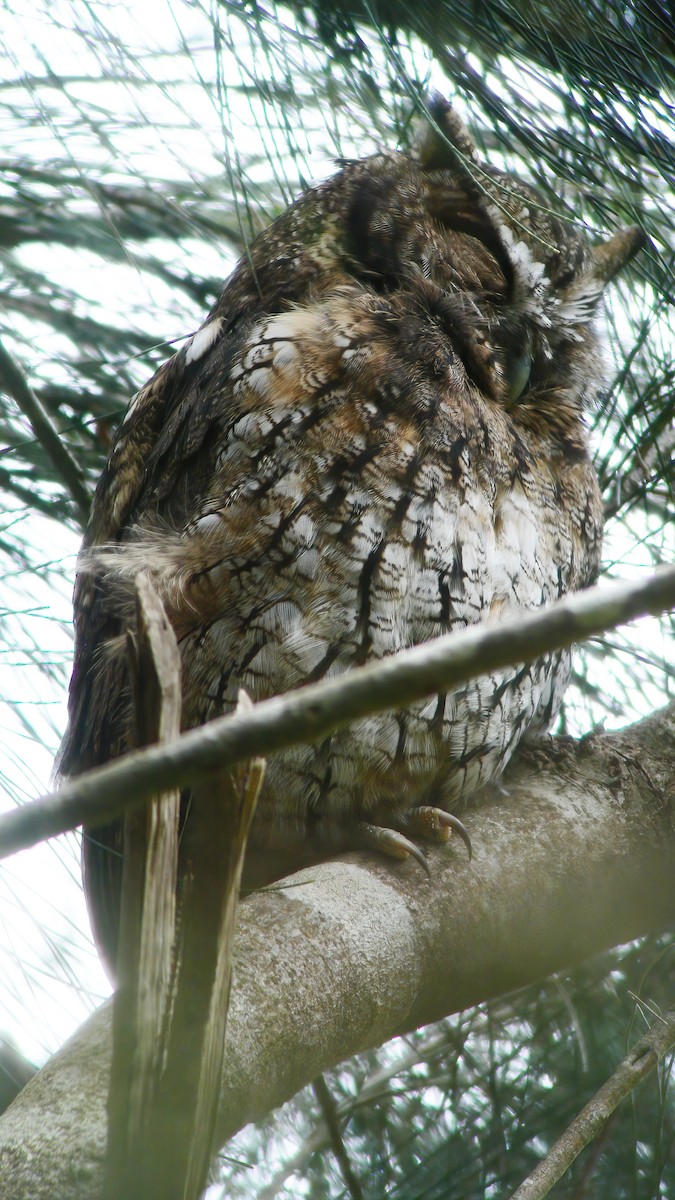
(357, 950)
(312, 712)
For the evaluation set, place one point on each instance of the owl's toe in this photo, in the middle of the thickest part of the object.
(436, 825)
(389, 842)
(433, 824)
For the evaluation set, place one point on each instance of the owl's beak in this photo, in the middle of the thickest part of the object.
(610, 257)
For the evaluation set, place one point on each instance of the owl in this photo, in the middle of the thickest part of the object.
(376, 437)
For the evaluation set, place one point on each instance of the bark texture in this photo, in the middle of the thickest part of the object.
(576, 857)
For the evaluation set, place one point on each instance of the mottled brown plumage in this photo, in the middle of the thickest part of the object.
(376, 437)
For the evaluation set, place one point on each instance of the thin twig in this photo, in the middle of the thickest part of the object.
(310, 713)
(375, 1088)
(29, 496)
(644, 1056)
(653, 464)
(12, 382)
(329, 1111)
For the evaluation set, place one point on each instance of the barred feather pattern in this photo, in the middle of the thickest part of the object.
(376, 437)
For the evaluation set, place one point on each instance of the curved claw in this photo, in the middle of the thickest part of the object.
(452, 822)
(391, 843)
(435, 823)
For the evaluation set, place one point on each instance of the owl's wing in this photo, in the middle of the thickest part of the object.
(161, 455)
(159, 461)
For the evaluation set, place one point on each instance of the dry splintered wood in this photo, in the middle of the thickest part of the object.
(141, 1007)
(170, 1009)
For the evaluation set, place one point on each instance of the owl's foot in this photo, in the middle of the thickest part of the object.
(389, 842)
(436, 825)
(431, 823)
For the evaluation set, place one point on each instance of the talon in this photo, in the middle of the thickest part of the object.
(452, 822)
(391, 843)
(435, 823)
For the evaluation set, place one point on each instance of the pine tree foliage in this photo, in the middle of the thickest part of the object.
(143, 147)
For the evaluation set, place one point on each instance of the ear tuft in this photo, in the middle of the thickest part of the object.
(611, 256)
(443, 141)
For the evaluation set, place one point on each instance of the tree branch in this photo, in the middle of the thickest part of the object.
(329, 1112)
(644, 1056)
(352, 952)
(312, 712)
(12, 381)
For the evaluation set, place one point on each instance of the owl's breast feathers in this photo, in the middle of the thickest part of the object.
(375, 438)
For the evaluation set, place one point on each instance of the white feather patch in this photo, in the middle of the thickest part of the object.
(529, 272)
(197, 346)
(132, 407)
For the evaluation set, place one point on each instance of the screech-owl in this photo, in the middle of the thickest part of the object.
(376, 437)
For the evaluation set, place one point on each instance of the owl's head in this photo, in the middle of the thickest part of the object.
(553, 277)
(537, 250)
